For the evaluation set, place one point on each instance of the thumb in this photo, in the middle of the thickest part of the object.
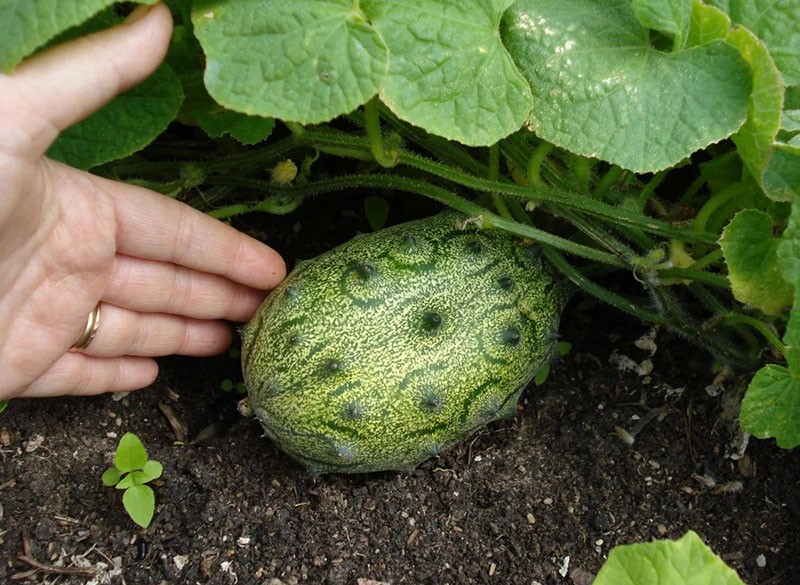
(63, 85)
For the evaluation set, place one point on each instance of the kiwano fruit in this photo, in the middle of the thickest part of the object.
(394, 346)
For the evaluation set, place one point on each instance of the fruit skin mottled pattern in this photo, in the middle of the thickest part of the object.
(390, 348)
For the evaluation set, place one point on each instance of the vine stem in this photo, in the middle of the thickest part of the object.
(494, 175)
(716, 202)
(762, 328)
(534, 170)
(597, 291)
(708, 259)
(650, 188)
(614, 215)
(603, 186)
(488, 219)
(372, 121)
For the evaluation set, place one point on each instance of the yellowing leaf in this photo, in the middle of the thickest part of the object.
(750, 250)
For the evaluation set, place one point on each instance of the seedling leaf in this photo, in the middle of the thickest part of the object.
(541, 375)
(377, 211)
(151, 470)
(303, 62)
(687, 561)
(131, 454)
(750, 251)
(140, 503)
(127, 481)
(601, 90)
(111, 477)
(449, 72)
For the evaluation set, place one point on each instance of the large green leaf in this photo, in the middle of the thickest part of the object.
(750, 250)
(789, 261)
(185, 57)
(774, 166)
(687, 561)
(771, 406)
(668, 16)
(776, 22)
(755, 140)
(127, 124)
(781, 177)
(304, 61)
(448, 70)
(789, 246)
(601, 89)
(790, 121)
(26, 25)
(217, 120)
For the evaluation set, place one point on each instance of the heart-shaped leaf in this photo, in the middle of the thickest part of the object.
(771, 406)
(781, 177)
(775, 23)
(751, 253)
(303, 62)
(448, 71)
(601, 89)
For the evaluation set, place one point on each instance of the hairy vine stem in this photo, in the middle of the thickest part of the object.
(325, 140)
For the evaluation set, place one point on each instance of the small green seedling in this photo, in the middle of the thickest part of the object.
(231, 386)
(131, 471)
(377, 211)
(562, 349)
(3, 405)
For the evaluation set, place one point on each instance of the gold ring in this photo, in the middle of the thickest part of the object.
(89, 331)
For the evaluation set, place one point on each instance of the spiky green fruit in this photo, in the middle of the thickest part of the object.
(397, 344)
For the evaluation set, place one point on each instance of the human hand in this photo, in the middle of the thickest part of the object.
(166, 275)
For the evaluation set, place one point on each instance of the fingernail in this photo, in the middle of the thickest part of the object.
(138, 13)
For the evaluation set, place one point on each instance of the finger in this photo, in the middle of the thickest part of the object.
(159, 287)
(61, 86)
(84, 375)
(154, 227)
(124, 332)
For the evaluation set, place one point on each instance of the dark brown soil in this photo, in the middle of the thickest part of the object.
(541, 499)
